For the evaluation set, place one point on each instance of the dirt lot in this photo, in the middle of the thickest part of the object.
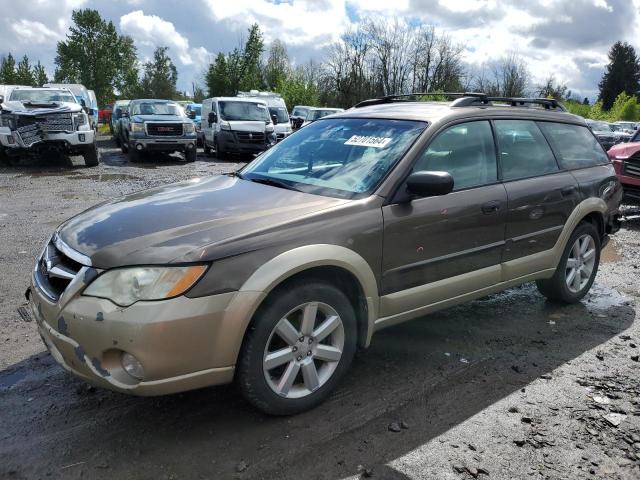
(508, 386)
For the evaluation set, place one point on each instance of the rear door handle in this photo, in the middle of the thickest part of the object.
(568, 191)
(491, 207)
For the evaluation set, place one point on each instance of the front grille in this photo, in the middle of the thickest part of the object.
(631, 169)
(279, 136)
(55, 271)
(29, 134)
(52, 122)
(251, 137)
(164, 129)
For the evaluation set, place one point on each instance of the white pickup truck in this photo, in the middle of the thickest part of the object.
(33, 120)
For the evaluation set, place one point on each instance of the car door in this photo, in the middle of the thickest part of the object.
(540, 196)
(431, 240)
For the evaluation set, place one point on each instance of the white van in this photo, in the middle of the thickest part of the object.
(236, 125)
(277, 110)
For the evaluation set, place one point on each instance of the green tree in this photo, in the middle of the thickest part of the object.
(24, 75)
(95, 55)
(198, 94)
(251, 68)
(160, 76)
(296, 90)
(217, 77)
(553, 89)
(8, 70)
(277, 67)
(624, 108)
(39, 75)
(622, 74)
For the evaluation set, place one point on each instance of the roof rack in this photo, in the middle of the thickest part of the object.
(466, 99)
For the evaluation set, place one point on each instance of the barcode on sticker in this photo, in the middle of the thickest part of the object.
(364, 141)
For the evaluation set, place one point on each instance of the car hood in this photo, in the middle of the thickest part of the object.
(624, 150)
(176, 221)
(39, 108)
(159, 118)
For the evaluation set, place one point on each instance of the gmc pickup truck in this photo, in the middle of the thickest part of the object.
(152, 125)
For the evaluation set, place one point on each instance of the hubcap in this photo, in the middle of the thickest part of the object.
(580, 263)
(303, 350)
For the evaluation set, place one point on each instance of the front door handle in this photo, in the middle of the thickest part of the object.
(491, 207)
(568, 191)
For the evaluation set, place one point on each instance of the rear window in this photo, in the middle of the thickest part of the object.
(575, 146)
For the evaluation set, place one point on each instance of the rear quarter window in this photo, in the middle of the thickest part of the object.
(575, 146)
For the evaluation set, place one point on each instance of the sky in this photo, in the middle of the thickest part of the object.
(569, 39)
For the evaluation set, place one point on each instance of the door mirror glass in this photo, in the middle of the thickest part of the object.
(428, 183)
(212, 118)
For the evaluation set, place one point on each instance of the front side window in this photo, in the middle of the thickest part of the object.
(524, 152)
(156, 108)
(342, 157)
(575, 146)
(299, 112)
(247, 111)
(280, 113)
(466, 151)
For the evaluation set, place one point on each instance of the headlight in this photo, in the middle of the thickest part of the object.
(79, 119)
(125, 286)
(137, 127)
(7, 121)
(225, 125)
(189, 127)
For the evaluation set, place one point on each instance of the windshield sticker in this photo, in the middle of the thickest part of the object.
(364, 141)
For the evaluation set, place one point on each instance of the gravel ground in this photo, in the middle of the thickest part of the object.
(509, 386)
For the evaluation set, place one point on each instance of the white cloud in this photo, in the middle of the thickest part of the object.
(28, 31)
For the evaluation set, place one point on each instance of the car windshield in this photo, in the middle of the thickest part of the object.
(342, 157)
(280, 113)
(299, 112)
(156, 108)
(600, 126)
(317, 114)
(43, 96)
(248, 111)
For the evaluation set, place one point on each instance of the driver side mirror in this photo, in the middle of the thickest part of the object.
(84, 105)
(212, 118)
(428, 184)
(274, 119)
(1, 98)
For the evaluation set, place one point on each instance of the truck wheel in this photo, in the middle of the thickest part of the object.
(134, 155)
(190, 155)
(207, 148)
(124, 146)
(217, 153)
(117, 140)
(577, 268)
(298, 347)
(91, 156)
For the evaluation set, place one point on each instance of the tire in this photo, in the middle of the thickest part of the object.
(91, 156)
(124, 146)
(133, 155)
(117, 140)
(206, 147)
(557, 288)
(217, 153)
(259, 384)
(190, 155)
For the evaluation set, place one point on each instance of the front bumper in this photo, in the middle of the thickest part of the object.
(229, 142)
(182, 343)
(72, 140)
(163, 144)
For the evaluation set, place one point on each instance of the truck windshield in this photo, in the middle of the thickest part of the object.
(197, 110)
(317, 114)
(248, 111)
(156, 108)
(42, 96)
(342, 157)
(280, 113)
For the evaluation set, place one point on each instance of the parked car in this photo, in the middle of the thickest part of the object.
(38, 120)
(628, 127)
(315, 113)
(194, 112)
(154, 125)
(298, 115)
(119, 107)
(622, 135)
(274, 275)
(236, 125)
(86, 98)
(277, 110)
(626, 161)
(604, 133)
(104, 114)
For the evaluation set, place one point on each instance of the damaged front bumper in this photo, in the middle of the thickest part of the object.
(71, 141)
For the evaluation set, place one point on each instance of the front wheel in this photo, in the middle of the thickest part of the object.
(577, 268)
(298, 347)
(91, 157)
(190, 155)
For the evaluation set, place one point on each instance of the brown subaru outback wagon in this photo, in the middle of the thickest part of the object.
(273, 276)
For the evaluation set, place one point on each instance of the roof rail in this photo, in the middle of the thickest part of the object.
(466, 99)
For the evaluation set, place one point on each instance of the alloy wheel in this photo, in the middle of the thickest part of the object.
(580, 263)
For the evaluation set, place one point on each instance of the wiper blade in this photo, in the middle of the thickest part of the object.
(273, 183)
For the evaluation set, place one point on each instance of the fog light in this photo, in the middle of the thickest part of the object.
(132, 365)
(10, 139)
(81, 137)
(139, 147)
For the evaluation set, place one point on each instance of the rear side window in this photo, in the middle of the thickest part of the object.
(466, 151)
(575, 146)
(524, 152)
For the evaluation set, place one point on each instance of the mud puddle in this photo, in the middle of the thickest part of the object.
(610, 253)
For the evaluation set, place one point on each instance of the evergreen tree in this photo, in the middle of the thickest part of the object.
(277, 68)
(8, 70)
(24, 76)
(622, 74)
(251, 66)
(585, 101)
(217, 77)
(39, 75)
(160, 76)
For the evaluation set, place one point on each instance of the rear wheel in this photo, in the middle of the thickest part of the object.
(577, 269)
(190, 155)
(91, 156)
(207, 148)
(298, 347)
(217, 153)
(124, 146)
